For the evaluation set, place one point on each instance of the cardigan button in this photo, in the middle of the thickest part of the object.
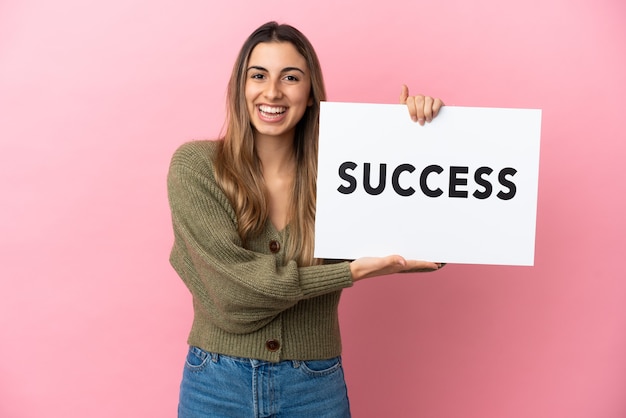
(272, 345)
(274, 246)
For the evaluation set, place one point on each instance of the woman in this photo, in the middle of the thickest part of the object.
(265, 337)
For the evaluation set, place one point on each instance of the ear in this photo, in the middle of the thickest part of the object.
(310, 103)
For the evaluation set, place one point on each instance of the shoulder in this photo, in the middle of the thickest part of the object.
(196, 154)
(195, 157)
(191, 174)
(193, 162)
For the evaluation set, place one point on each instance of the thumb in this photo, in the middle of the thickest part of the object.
(404, 94)
(395, 261)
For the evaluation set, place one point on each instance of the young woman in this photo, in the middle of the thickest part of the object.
(265, 336)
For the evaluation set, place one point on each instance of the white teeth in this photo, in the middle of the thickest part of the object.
(271, 109)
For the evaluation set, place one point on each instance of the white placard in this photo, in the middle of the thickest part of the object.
(461, 189)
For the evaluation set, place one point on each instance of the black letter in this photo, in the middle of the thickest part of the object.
(478, 178)
(347, 177)
(506, 183)
(382, 179)
(395, 178)
(424, 177)
(455, 181)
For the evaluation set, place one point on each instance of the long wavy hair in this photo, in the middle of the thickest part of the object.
(237, 165)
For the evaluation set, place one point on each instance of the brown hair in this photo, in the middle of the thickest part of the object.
(237, 166)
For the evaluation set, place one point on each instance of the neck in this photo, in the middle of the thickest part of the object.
(277, 156)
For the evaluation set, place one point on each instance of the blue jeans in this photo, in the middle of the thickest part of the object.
(215, 385)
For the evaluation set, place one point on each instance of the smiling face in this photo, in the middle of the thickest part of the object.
(277, 89)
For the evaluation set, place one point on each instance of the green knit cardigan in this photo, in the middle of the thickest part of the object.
(248, 302)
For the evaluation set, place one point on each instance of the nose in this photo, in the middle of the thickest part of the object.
(273, 90)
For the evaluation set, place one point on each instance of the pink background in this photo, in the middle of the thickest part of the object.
(94, 98)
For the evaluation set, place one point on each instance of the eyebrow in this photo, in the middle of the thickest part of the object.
(284, 70)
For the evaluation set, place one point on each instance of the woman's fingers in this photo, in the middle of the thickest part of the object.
(421, 108)
(404, 94)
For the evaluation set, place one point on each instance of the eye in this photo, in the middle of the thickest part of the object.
(257, 76)
(290, 77)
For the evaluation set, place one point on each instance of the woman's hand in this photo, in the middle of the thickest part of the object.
(365, 267)
(421, 108)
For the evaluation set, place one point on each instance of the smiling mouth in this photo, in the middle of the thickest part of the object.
(271, 112)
